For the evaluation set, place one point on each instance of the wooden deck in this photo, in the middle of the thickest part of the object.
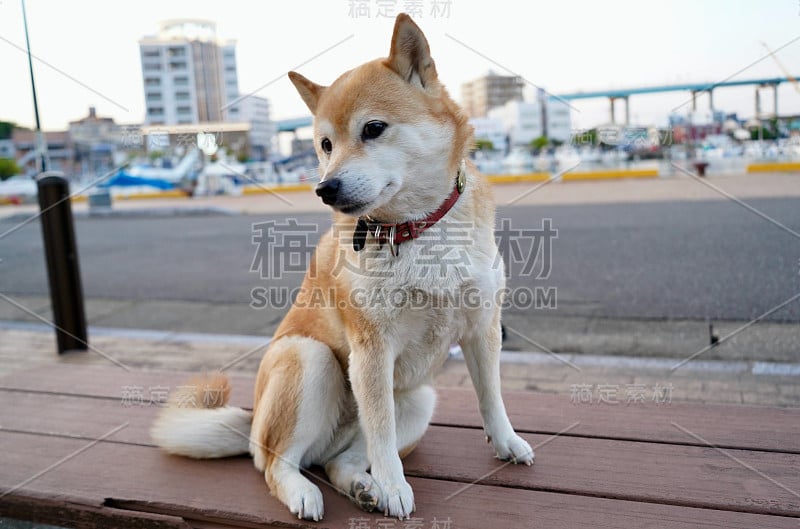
(76, 452)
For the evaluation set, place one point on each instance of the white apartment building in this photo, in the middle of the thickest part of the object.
(190, 78)
(189, 74)
(558, 120)
(524, 121)
(490, 129)
(255, 110)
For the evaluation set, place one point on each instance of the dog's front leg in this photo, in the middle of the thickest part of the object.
(481, 347)
(372, 379)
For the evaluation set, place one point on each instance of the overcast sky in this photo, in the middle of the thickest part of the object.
(88, 50)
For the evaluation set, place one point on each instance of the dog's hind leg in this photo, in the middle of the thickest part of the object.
(348, 470)
(295, 418)
(413, 412)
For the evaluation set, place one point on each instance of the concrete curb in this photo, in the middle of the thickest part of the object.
(609, 175)
(577, 361)
(771, 167)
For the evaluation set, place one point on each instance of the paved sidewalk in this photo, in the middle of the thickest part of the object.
(583, 334)
(586, 380)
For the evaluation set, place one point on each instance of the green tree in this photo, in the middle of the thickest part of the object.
(540, 143)
(155, 155)
(484, 145)
(766, 133)
(6, 127)
(8, 168)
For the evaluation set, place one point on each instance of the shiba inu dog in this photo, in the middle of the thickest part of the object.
(347, 384)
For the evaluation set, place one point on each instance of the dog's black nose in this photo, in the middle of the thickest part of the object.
(327, 190)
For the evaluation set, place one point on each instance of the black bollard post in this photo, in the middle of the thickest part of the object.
(61, 254)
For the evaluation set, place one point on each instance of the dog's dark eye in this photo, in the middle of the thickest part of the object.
(373, 129)
(326, 145)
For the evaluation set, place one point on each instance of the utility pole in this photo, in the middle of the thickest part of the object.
(41, 145)
(58, 234)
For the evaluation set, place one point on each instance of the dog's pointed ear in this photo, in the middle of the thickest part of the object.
(410, 55)
(309, 91)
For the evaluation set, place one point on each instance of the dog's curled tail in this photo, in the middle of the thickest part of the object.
(198, 423)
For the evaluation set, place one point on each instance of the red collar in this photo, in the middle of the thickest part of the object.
(395, 234)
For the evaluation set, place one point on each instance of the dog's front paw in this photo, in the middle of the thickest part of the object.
(513, 448)
(306, 502)
(397, 499)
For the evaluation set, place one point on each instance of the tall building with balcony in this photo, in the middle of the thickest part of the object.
(189, 74)
(191, 85)
(490, 91)
(525, 121)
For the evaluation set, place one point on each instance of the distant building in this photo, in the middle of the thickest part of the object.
(189, 74)
(7, 149)
(558, 120)
(492, 130)
(94, 140)
(60, 151)
(190, 79)
(525, 121)
(489, 91)
(255, 110)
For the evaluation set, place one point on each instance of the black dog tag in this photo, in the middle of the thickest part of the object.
(360, 235)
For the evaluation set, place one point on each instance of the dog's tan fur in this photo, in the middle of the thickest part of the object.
(349, 386)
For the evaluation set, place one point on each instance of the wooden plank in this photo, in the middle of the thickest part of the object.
(75, 416)
(77, 515)
(230, 492)
(637, 471)
(752, 481)
(114, 382)
(731, 426)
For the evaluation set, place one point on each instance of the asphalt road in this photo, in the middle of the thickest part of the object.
(686, 260)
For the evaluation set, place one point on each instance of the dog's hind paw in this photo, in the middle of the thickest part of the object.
(514, 449)
(364, 492)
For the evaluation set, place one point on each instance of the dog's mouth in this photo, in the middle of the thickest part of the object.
(358, 208)
(354, 209)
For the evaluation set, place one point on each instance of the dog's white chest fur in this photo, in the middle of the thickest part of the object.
(428, 295)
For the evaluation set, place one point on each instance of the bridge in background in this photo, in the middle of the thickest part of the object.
(291, 125)
(693, 88)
